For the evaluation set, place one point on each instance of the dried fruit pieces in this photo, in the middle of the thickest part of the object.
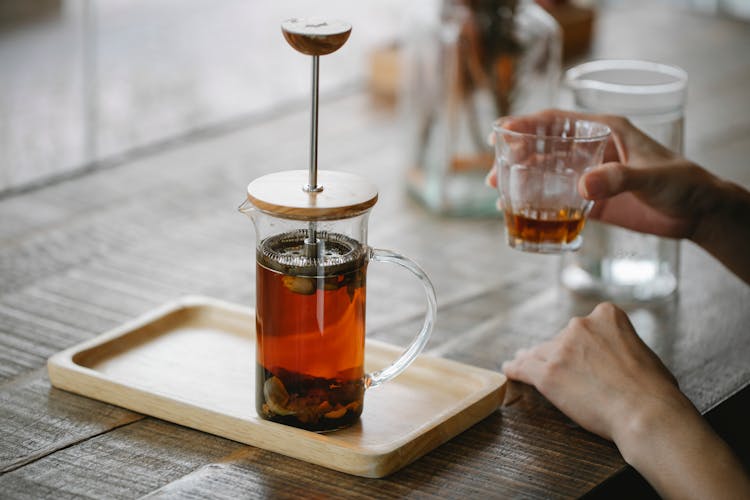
(312, 403)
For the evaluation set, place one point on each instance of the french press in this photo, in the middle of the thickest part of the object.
(312, 257)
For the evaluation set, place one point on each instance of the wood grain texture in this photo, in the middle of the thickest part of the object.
(342, 195)
(314, 36)
(80, 257)
(466, 466)
(39, 420)
(190, 362)
(155, 452)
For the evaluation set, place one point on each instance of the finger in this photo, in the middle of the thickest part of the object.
(614, 178)
(628, 210)
(668, 186)
(611, 151)
(526, 369)
(618, 146)
(632, 143)
(491, 179)
(602, 182)
(649, 180)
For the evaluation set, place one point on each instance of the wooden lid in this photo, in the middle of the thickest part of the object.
(282, 194)
(316, 36)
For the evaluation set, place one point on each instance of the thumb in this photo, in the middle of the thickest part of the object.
(602, 182)
(611, 179)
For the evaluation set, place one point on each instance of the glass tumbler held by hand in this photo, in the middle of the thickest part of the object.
(311, 260)
(539, 159)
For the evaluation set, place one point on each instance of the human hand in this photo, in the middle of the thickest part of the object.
(642, 185)
(601, 374)
(645, 187)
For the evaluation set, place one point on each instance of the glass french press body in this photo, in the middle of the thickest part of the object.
(311, 262)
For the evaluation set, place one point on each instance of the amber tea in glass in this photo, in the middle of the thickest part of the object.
(310, 320)
(545, 225)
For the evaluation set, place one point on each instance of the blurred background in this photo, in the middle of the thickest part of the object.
(86, 84)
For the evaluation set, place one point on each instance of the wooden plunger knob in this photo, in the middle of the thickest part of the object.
(315, 36)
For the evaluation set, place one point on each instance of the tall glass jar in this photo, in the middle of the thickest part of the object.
(479, 60)
(615, 263)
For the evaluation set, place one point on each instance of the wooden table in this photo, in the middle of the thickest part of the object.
(82, 256)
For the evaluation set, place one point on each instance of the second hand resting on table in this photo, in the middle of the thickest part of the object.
(597, 370)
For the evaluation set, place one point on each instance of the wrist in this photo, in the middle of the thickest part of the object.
(676, 451)
(722, 230)
(724, 203)
(650, 428)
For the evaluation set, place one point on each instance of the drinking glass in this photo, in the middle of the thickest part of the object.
(616, 263)
(539, 160)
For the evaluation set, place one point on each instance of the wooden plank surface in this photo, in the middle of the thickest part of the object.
(81, 257)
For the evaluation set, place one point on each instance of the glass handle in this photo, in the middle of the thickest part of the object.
(378, 377)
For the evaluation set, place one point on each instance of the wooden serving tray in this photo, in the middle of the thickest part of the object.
(192, 362)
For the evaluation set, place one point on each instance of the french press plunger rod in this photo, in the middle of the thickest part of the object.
(314, 37)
